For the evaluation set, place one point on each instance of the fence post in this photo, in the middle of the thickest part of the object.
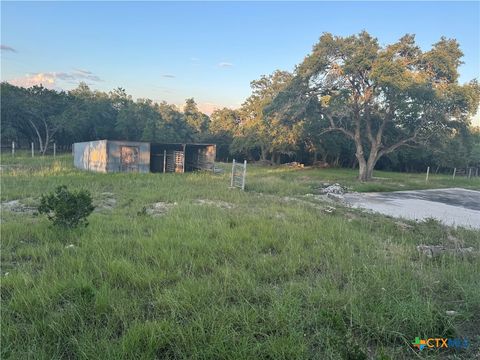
(164, 160)
(470, 173)
(244, 174)
(454, 172)
(32, 151)
(428, 171)
(476, 172)
(233, 173)
(13, 148)
(54, 150)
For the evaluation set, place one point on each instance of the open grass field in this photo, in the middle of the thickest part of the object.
(224, 274)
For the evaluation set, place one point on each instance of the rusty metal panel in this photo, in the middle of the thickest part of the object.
(200, 157)
(128, 156)
(91, 155)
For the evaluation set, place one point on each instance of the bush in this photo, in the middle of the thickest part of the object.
(67, 208)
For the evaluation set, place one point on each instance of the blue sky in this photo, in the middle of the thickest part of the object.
(209, 51)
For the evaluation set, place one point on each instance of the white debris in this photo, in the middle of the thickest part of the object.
(334, 189)
(159, 208)
(431, 251)
(329, 210)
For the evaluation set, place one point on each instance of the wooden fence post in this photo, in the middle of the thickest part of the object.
(470, 173)
(13, 148)
(454, 172)
(54, 150)
(428, 171)
(32, 151)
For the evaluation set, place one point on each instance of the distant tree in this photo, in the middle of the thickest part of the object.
(195, 118)
(261, 130)
(381, 98)
(91, 115)
(224, 125)
(34, 112)
(174, 128)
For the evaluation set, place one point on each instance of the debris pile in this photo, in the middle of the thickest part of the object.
(333, 189)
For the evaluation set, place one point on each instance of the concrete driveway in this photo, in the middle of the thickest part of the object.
(455, 206)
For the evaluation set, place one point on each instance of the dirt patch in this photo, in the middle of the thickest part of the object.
(159, 208)
(17, 206)
(218, 203)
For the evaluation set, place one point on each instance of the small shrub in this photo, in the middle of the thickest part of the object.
(67, 208)
(142, 212)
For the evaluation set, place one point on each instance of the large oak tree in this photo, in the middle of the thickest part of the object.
(380, 97)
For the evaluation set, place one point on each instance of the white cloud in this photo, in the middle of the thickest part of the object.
(52, 79)
(225, 64)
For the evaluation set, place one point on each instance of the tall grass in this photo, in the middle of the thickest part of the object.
(267, 278)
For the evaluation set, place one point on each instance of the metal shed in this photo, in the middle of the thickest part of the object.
(132, 156)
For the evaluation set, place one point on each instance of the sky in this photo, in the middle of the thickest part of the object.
(210, 51)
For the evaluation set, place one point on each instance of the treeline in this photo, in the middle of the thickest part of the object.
(351, 103)
(45, 116)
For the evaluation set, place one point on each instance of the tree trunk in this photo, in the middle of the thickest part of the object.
(365, 168)
(370, 167)
(263, 153)
(362, 169)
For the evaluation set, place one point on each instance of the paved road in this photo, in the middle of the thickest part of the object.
(456, 207)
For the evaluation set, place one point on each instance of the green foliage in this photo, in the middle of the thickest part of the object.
(352, 102)
(381, 98)
(65, 208)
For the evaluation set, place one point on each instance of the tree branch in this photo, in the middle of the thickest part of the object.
(334, 127)
(397, 145)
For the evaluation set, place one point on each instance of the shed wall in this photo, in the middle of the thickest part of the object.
(91, 155)
(128, 156)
